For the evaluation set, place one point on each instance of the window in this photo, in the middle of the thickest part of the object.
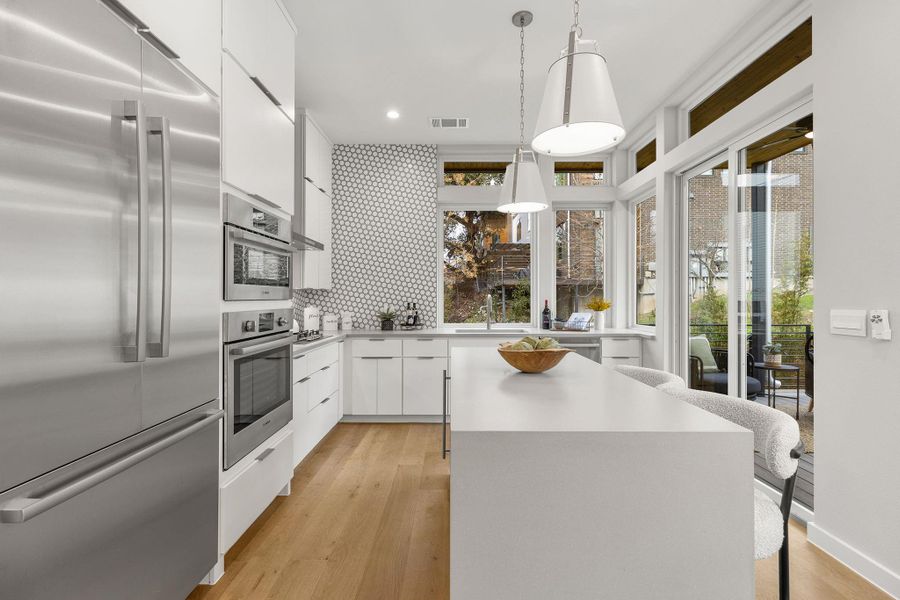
(580, 259)
(474, 173)
(645, 157)
(775, 62)
(578, 173)
(645, 262)
(486, 252)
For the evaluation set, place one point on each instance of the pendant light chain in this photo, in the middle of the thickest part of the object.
(576, 26)
(521, 84)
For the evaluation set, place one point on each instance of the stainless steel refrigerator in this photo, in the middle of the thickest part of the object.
(110, 275)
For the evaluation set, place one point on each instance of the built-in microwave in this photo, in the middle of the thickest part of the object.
(258, 253)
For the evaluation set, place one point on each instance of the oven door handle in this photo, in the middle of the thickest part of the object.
(260, 240)
(257, 348)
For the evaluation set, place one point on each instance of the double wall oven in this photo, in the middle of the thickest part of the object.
(258, 253)
(257, 378)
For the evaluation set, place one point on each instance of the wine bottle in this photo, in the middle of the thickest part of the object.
(545, 315)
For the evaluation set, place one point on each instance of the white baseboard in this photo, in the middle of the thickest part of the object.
(798, 511)
(392, 419)
(869, 569)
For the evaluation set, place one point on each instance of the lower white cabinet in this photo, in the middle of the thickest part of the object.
(377, 385)
(252, 484)
(316, 395)
(621, 351)
(422, 381)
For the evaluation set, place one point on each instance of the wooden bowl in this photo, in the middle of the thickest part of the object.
(534, 361)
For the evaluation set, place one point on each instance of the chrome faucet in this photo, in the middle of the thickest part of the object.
(489, 309)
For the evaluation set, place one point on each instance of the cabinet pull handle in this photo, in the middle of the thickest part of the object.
(370, 357)
(376, 339)
(262, 87)
(325, 368)
(158, 44)
(325, 400)
(300, 356)
(265, 454)
(621, 357)
(304, 380)
(424, 339)
(425, 357)
(620, 339)
(124, 13)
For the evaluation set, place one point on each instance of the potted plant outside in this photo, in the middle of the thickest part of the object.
(772, 354)
(387, 316)
(599, 306)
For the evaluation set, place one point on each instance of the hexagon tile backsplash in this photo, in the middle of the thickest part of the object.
(383, 229)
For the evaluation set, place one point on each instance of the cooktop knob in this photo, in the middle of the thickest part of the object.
(281, 322)
(249, 325)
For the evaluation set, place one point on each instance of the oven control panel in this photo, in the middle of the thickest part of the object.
(254, 323)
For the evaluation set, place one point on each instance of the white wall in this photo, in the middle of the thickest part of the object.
(857, 249)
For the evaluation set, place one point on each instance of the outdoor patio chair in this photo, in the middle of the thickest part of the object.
(651, 377)
(776, 436)
(709, 369)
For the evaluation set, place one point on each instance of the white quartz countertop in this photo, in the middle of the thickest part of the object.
(495, 332)
(578, 395)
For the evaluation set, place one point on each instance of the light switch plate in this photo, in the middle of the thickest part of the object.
(848, 322)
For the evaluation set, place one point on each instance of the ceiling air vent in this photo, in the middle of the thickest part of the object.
(449, 122)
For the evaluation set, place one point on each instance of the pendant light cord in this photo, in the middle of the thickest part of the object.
(521, 84)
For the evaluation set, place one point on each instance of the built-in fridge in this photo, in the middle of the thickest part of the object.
(110, 279)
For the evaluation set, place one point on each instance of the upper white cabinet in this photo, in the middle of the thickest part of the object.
(312, 216)
(260, 36)
(316, 156)
(191, 30)
(257, 141)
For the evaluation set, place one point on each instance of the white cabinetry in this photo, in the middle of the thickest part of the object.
(313, 213)
(251, 485)
(377, 385)
(260, 37)
(316, 395)
(257, 141)
(422, 381)
(621, 351)
(190, 30)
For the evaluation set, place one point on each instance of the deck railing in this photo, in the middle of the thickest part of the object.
(792, 338)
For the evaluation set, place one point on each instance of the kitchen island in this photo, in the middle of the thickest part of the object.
(581, 483)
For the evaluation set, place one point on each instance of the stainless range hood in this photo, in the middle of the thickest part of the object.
(301, 243)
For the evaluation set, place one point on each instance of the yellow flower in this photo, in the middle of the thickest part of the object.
(598, 303)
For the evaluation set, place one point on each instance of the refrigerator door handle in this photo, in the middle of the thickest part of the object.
(20, 510)
(134, 111)
(160, 126)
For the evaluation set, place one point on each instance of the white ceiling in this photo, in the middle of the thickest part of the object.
(356, 59)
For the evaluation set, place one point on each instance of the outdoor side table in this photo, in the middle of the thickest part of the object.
(769, 383)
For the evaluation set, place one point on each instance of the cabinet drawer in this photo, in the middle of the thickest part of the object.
(323, 384)
(300, 367)
(425, 347)
(377, 347)
(611, 361)
(621, 347)
(322, 357)
(248, 494)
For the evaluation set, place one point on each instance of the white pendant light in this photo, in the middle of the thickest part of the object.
(579, 113)
(522, 190)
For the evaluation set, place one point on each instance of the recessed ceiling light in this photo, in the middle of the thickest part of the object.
(393, 114)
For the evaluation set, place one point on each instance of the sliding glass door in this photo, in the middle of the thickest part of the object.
(705, 264)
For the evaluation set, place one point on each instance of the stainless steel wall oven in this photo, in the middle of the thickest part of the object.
(257, 378)
(258, 253)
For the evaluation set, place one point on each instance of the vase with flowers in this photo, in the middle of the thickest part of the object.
(599, 305)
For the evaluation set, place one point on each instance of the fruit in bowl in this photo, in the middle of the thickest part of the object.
(531, 355)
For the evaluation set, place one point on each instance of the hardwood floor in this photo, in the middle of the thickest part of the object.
(368, 518)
